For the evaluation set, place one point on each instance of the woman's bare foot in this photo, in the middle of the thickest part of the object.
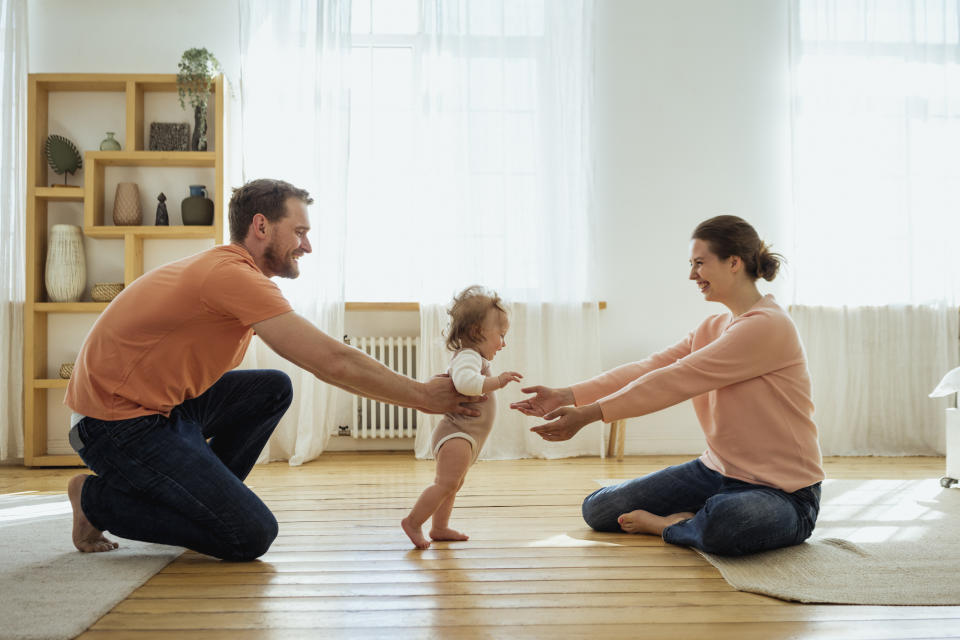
(86, 537)
(447, 534)
(415, 534)
(641, 521)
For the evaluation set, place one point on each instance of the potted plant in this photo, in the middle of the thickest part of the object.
(197, 70)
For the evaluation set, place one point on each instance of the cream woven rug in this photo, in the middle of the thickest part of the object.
(48, 589)
(886, 542)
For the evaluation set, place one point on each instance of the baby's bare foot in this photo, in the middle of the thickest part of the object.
(641, 521)
(415, 534)
(447, 534)
(86, 537)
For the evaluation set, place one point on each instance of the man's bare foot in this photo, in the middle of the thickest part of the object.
(447, 534)
(641, 521)
(415, 534)
(86, 537)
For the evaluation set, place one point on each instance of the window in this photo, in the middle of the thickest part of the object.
(876, 169)
(445, 141)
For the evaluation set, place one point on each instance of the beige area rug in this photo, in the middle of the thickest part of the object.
(48, 589)
(890, 542)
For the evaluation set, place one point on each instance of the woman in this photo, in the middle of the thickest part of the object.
(757, 486)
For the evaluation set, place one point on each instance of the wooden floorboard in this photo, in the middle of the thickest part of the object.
(342, 568)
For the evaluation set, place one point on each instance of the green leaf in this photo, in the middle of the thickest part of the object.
(62, 155)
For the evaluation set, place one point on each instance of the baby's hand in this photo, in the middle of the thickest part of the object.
(507, 377)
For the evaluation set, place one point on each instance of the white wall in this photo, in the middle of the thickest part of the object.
(691, 121)
(124, 36)
(141, 36)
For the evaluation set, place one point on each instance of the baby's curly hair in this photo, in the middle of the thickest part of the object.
(467, 313)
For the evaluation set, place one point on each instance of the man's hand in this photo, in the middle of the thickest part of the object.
(300, 342)
(545, 400)
(442, 397)
(567, 421)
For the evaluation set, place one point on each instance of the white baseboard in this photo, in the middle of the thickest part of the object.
(347, 443)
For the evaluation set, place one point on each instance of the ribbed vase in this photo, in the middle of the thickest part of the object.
(66, 270)
(126, 204)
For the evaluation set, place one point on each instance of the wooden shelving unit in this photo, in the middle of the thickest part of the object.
(37, 379)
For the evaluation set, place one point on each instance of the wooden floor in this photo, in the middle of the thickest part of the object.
(342, 568)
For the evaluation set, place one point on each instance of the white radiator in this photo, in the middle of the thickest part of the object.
(375, 419)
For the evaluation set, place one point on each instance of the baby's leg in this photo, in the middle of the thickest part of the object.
(453, 460)
(440, 529)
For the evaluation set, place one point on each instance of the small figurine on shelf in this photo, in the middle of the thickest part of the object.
(162, 218)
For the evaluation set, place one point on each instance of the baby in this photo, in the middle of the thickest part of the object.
(478, 326)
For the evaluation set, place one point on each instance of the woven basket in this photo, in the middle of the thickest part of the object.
(66, 370)
(106, 291)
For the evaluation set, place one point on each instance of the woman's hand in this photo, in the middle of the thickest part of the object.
(545, 400)
(567, 421)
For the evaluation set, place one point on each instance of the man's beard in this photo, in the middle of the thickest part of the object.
(280, 267)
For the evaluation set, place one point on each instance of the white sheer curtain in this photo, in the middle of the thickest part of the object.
(470, 149)
(876, 127)
(13, 98)
(295, 60)
(872, 378)
(504, 169)
(454, 135)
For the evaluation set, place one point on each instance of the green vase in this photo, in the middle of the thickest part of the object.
(197, 209)
(109, 143)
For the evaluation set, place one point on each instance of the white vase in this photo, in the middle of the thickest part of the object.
(66, 270)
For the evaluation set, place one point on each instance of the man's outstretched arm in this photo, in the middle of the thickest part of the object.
(299, 341)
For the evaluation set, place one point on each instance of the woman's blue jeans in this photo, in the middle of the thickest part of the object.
(179, 480)
(732, 518)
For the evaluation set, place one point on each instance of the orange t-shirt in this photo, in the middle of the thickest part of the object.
(171, 334)
(750, 387)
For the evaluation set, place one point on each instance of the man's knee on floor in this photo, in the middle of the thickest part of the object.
(281, 384)
(255, 538)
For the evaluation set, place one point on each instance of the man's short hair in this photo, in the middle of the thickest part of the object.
(266, 196)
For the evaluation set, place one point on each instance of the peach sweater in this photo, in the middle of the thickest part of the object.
(750, 387)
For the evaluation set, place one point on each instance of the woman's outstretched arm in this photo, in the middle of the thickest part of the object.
(589, 391)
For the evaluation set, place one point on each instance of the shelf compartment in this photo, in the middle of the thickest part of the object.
(175, 231)
(69, 307)
(96, 163)
(118, 82)
(74, 194)
(50, 383)
(151, 158)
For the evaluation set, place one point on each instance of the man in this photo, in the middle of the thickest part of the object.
(169, 429)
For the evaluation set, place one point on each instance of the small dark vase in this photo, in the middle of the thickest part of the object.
(197, 209)
(198, 142)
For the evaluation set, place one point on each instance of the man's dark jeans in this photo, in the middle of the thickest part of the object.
(179, 480)
(733, 518)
